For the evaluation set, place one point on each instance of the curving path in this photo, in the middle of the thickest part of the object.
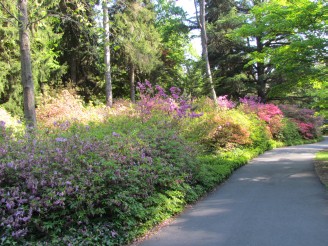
(275, 200)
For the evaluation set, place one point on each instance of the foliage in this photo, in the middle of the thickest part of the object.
(68, 107)
(226, 134)
(78, 48)
(290, 134)
(110, 180)
(290, 42)
(45, 65)
(269, 113)
(320, 94)
(225, 103)
(228, 56)
(322, 156)
(10, 88)
(226, 129)
(136, 35)
(53, 182)
(156, 99)
(93, 175)
(171, 24)
(9, 125)
(308, 124)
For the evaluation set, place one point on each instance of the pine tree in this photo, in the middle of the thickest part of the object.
(138, 38)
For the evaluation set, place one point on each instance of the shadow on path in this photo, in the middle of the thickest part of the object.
(275, 200)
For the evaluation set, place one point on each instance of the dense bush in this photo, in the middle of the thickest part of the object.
(67, 108)
(104, 176)
(52, 183)
(289, 133)
(269, 113)
(308, 124)
(225, 133)
(9, 123)
(155, 99)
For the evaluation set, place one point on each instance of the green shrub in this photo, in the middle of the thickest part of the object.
(290, 134)
(107, 182)
(126, 173)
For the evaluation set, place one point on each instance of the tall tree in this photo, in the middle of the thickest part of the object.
(136, 36)
(171, 23)
(41, 39)
(79, 46)
(202, 25)
(108, 78)
(10, 77)
(26, 64)
(289, 44)
(233, 75)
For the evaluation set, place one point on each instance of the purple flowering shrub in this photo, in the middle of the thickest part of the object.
(308, 124)
(155, 99)
(269, 113)
(225, 103)
(9, 124)
(53, 182)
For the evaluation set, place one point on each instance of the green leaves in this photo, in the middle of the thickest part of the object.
(134, 30)
(292, 35)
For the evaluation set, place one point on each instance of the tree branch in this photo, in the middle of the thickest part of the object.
(8, 12)
(53, 14)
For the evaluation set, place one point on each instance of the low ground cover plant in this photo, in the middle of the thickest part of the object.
(321, 166)
(107, 181)
(51, 183)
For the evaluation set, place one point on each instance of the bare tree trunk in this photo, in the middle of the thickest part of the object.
(132, 83)
(26, 65)
(261, 83)
(108, 78)
(201, 22)
(73, 69)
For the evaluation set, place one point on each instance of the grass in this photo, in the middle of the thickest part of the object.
(321, 166)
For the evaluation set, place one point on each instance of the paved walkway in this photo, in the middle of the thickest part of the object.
(276, 200)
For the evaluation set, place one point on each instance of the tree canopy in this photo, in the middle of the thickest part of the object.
(275, 49)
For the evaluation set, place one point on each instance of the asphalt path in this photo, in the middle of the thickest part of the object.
(275, 200)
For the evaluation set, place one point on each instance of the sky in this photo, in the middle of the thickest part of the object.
(189, 7)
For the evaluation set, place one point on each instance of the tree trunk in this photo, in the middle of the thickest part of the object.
(26, 65)
(204, 49)
(73, 69)
(132, 83)
(261, 84)
(108, 79)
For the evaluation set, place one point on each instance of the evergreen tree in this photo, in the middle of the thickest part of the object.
(79, 46)
(138, 39)
(10, 86)
(39, 63)
(171, 23)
